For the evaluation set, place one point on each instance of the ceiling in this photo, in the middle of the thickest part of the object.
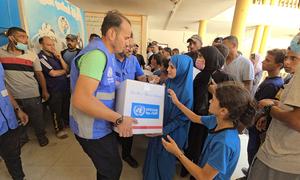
(187, 15)
(189, 12)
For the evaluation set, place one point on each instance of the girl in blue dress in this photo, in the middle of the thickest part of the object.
(231, 107)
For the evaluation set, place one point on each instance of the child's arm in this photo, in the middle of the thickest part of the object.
(190, 114)
(207, 172)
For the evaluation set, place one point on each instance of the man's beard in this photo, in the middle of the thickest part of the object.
(122, 54)
(70, 46)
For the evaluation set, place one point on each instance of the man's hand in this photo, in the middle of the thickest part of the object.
(266, 102)
(57, 55)
(125, 128)
(45, 95)
(23, 117)
(261, 124)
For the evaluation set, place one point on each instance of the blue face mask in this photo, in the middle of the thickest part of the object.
(21, 46)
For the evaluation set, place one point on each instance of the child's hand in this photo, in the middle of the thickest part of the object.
(154, 79)
(173, 97)
(212, 87)
(171, 146)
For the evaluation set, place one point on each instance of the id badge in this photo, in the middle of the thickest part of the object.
(4, 93)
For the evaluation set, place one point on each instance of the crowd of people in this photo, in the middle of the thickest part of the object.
(213, 93)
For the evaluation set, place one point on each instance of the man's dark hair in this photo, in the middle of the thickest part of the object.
(157, 57)
(218, 40)
(11, 31)
(278, 55)
(176, 49)
(93, 35)
(169, 50)
(165, 63)
(232, 39)
(112, 19)
(41, 39)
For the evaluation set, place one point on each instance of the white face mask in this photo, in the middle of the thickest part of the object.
(20, 46)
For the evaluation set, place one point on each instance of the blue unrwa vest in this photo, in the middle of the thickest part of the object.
(8, 118)
(82, 124)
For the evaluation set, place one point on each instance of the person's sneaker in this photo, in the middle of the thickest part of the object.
(131, 161)
(61, 134)
(245, 171)
(43, 141)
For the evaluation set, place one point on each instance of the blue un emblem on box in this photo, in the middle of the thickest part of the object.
(148, 111)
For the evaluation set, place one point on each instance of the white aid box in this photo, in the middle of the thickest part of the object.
(144, 102)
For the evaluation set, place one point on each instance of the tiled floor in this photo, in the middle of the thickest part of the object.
(65, 160)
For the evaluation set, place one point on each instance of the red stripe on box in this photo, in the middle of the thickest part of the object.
(147, 127)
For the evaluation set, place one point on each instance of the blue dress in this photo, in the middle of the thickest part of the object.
(160, 164)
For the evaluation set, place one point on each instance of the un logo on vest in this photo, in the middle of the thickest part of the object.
(110, 72)
(139, 110)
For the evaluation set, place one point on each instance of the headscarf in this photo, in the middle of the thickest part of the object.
(214, 61)
(182, 85)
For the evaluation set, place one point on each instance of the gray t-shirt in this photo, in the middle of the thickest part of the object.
(19, 73)
(68, 56)
(281, 149)
(241, 69)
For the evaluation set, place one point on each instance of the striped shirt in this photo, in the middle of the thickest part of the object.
(19, 73)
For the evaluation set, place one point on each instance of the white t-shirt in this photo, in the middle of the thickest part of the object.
(281, 149)
(241, 69)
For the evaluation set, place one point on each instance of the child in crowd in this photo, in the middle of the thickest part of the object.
(268, 89)
(222, 147)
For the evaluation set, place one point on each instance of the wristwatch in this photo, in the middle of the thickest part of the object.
(267, 109)
(119, 121)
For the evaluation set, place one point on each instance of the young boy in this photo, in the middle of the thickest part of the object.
(268, 89)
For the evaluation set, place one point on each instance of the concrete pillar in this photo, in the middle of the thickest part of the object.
(239, 18)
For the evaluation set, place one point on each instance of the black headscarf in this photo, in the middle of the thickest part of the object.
(214, 61)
